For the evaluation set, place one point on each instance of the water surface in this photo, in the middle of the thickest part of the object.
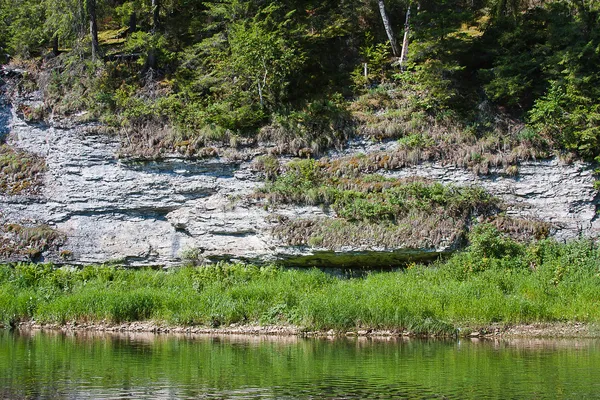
(125, 366)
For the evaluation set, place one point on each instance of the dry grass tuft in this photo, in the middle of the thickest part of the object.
(147, 141)
(307, 139)
(20, 172)
(394, 114)
(520, 229)
(268, 165)
(416, 230)
(28, 241)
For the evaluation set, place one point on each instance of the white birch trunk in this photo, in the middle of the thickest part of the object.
(404, 54)
(388, 29)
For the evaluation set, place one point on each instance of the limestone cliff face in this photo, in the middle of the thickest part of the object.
(157, 213)
(549, 190)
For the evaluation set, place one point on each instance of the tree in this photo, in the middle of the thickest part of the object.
(155, 15)
(404, 53)
(242, 72)
(261, 54)
(132, 25)
(55, 51)
(506, 8)
(151, 60)
(25, 33)
(63, 25)
(388, 29)
(91, 8)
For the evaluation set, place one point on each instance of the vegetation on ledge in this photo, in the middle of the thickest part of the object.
(372, 197)
(373, 211)
(393, 112)
(28, 241)
(20, 172)
(495, 281)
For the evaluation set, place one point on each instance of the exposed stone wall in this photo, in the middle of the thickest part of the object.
(156, 213)
(549, 190)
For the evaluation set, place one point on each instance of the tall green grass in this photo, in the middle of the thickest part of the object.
(494, 281)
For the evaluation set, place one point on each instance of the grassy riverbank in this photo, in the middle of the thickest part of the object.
(494, 281)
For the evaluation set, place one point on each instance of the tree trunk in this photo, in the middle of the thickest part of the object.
(81, 18)
(151, 60)
(404, 54)
(132, 23)
(501, 12)
(93, 28)
(55, 45)
(155, 15)
(388, 29)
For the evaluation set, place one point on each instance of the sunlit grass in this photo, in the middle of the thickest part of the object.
(495, 281)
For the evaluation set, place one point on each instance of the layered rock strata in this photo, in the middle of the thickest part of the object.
(167, 212)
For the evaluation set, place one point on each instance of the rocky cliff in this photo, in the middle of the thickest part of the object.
(162, 212)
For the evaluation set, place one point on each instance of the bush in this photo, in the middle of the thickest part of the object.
(487, 242)
(570, 118)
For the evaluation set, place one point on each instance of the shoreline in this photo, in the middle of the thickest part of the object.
(546, 330)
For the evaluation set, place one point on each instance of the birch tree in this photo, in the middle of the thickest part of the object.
(388, 29)
(405, 41)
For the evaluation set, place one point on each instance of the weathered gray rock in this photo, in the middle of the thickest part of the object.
(550, 190)
(156, 213)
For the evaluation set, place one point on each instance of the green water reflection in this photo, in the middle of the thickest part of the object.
(56, 365)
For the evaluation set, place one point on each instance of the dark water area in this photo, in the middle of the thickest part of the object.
(144, 366)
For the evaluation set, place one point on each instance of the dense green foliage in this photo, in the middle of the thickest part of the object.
(494, 281)
(291, 71)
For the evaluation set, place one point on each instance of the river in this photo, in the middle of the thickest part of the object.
(52, 365)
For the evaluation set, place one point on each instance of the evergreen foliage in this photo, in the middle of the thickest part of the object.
(267, 69)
